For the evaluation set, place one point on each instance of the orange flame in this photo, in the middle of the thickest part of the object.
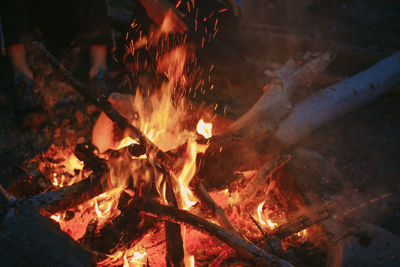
(267, 221)
(69, 166)
(72, 164)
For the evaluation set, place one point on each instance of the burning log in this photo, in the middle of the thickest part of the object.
(89, 235)
(216, 211)
(124, 231)
(175, 252)
(70, 196)
(302, 222)
(245, 248)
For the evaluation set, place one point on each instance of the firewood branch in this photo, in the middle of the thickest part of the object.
(70, 196)
(103, 104)
(216, 211)
(175, 252)
(261, 177)
(331, 210)
(245, 248)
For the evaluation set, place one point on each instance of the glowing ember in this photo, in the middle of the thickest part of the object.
(189, 261)
(205, 129)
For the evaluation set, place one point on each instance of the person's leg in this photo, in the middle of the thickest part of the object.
(17, 55)
(95, 26)
(98, 59)
(16, 25)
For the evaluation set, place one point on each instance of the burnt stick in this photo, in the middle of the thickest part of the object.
(174, 242)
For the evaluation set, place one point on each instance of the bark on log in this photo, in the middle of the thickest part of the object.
(337, 100)
(274, 104)
(245, 248)
(70, 196)
(175, 253)
(212, 207)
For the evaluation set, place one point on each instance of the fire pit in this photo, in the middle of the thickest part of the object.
(166, 181)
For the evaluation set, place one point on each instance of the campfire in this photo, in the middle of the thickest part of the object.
(166, 181)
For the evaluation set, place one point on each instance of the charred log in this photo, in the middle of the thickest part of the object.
(245, 248)
(70, 196)
(125, 230)
(175, 253)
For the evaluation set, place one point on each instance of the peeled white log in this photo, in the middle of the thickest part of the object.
(275, 103)
(338, 99)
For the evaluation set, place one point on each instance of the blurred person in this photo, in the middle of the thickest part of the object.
(61, 22)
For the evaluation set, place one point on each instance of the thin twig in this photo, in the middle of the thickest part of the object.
(258, 226)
